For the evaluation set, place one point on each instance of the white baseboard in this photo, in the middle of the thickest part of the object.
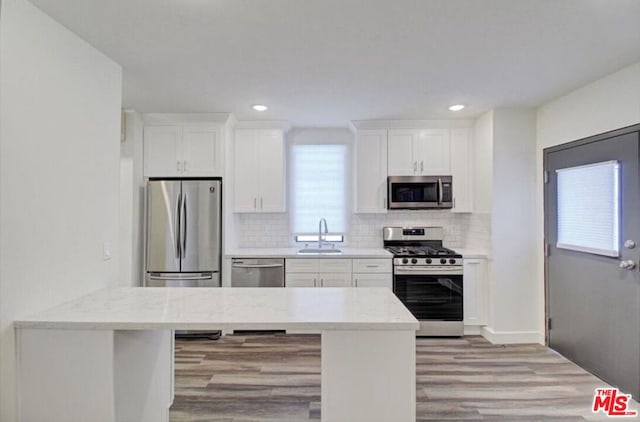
(512, 337)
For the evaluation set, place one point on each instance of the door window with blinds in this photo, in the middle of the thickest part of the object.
(589, 208)
(318, 190)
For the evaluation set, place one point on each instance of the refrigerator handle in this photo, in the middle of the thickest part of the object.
(195, 277)
(183, 235)
(177, 225)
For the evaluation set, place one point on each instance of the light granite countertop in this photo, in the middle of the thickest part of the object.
(472, 253)
(150, 308)
(294, 253)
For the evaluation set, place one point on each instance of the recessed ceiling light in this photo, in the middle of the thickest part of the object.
(259, 107)
(456, 107)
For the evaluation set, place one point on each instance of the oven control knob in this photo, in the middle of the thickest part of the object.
(414, 261)
(429, 261)
(452, 261)
(405, 260)
(443, 261)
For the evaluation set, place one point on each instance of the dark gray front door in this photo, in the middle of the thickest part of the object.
(593, 303)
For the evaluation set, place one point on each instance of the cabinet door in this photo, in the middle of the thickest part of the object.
(272, 171)
(461, 169)
(335, 279)
(431, 152)
(373, 280)
(400, 161)
(246, 189)
(201, 150)
(300, 280)
(162, 151)
(474, 297)
(370, 171)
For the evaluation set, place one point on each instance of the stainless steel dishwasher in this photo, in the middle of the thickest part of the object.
(257, 272)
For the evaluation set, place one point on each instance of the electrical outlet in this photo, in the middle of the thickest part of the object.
(106, 251)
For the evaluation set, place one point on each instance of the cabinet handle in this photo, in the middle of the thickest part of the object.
(356, 280)
(178, 165)
(421, 166)
(415, 166)
(260, 203)
(315, 283)
(454, 202)
(372, 266)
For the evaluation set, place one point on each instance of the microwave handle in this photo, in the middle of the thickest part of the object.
(440, 192)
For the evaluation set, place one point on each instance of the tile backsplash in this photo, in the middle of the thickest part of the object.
(365, 230)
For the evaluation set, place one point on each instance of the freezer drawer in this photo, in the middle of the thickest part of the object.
(183, 280)
(258, 272)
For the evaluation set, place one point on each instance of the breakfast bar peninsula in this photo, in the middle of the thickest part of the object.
(108, 356)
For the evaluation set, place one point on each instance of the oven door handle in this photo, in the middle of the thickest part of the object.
(430, 271)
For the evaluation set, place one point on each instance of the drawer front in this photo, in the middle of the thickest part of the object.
(372, 265)
(331, 265)
(373, 280)
(301, 265)
(300, 280)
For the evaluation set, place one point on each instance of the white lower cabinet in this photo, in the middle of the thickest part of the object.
(373, 280)
(475, 291)
(307, 272)
(372, 273)
(332, 272)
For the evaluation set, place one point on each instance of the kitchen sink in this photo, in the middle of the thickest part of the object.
(320, 251)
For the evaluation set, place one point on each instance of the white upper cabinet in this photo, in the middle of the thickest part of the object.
(162, 151)
(418, 152)
(246, 171)
(175, 151)
(370, 163)
(461, 170)
(272, 175)
(201, 151)
(400, 145)
(432, 154)
(259, 171)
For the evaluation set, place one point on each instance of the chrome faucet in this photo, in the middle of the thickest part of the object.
(322, 241)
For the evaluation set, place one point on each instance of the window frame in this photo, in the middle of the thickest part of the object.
(328, 139)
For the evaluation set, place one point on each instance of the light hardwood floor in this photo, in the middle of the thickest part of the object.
(258, 378)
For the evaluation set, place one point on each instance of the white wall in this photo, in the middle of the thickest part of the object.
(513, 296)
(483, 163)
(609, 103)
(132, 201)
(59, 172)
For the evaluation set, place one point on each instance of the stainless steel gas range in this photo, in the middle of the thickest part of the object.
(427, 278)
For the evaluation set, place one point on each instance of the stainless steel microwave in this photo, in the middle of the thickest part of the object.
(419, 192)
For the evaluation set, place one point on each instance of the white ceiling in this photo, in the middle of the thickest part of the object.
(325, 62)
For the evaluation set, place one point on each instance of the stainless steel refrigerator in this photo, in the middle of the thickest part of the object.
(183, 233)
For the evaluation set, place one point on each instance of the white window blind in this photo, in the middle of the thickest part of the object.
(318, 184)
(589, 208)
